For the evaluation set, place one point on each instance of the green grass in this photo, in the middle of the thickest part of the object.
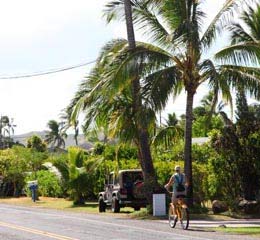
(53, 203)
(240, 230)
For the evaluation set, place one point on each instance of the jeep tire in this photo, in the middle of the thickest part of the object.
(101, 204)
(115, 207)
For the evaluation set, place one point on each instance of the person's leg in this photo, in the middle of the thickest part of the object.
(173, 204)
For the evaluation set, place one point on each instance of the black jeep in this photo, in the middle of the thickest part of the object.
(123, 189)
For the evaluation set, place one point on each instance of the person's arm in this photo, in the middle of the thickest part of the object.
(170, 182)
(186, 182)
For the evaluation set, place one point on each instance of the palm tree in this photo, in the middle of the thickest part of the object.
(56, 135)
(168, 133)
(245, 35)
(138, 112)
(115, 102)
(177, 60)
(65, 116)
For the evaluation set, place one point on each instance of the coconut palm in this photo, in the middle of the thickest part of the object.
(142, 138)
(245, 35)
(108, 102)
(177, 60)
(114, 102)
(169, 133)
(56, 135)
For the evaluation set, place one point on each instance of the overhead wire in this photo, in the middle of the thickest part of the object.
(48, 71)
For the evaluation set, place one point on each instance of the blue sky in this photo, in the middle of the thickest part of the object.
(42, 35)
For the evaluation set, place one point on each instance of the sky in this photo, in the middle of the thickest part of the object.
(42, 35)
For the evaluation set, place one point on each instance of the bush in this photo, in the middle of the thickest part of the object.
(48, 184)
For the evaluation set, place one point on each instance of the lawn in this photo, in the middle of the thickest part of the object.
(60, 204)
(240, 230)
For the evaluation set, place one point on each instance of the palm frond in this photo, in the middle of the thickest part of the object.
(239, 34)
(158, 86)
(240, 54)
(249, 77)
(218, 23)
(167, 136)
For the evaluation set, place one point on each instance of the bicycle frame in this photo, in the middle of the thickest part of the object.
(182, 214)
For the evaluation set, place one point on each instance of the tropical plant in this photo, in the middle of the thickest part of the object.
(56, 135)
(245, 35)
(169, 133)
(36, 143)
(78, 180)
(178, 60)
(114, 102)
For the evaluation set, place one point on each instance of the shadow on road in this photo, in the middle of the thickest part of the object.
(199, 230)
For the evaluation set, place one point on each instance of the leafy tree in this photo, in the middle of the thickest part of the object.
(239, 145)
(36, 143)
(12, 169)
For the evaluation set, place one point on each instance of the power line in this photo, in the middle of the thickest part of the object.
(49, 71)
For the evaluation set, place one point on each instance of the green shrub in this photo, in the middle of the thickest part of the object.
(48, 184)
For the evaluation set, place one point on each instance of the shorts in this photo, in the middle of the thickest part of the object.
(175, 196)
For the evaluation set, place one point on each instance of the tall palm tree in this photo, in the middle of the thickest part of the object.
(116, 101)
(138, 111)
(56, 135)
(176, 60)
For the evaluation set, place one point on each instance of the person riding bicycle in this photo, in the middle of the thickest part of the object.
(179, 184)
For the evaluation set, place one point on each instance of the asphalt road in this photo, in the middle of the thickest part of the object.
(20, 223)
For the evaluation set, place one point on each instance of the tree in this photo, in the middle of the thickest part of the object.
(115, 102)
(169, 133)
(139, 113)
(6, 129)
(177, 60)
(238, 143)
(36, 143)
(56, 135)
(245, 35)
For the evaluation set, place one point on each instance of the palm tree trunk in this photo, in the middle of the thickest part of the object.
(188, 146)
(129, 24)
(145, 157)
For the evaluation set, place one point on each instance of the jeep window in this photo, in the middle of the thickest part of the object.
(131, 177)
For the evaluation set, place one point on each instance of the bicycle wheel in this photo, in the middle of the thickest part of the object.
(185, 218)
(172, 218)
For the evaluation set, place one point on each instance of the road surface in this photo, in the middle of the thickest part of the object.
(22, 223)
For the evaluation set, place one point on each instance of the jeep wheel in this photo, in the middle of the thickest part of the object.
(115, 205)
(101, 205)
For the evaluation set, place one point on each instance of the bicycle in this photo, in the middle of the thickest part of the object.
(182, 213)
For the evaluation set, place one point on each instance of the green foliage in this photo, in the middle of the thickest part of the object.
(12, 169)
(36, 143)
(111, 152)
(201, 126)
(99, 148)
(48, 184)
(201, 153)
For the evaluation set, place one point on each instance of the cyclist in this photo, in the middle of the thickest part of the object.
(175, 181)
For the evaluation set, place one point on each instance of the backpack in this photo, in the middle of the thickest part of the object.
(180, 187)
